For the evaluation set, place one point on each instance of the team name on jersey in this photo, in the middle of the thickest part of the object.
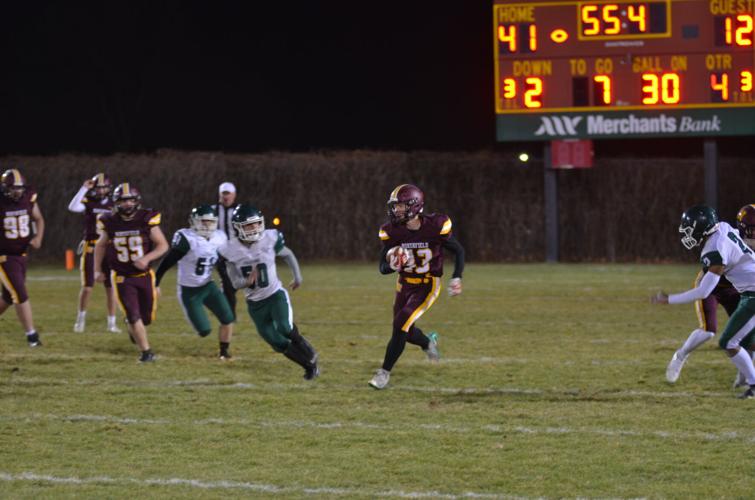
(16, 212)
(128, 233)
(101, 210)
(417, 244)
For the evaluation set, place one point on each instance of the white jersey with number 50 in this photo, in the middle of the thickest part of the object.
(195, 268)
(726, 248)
(260, 257)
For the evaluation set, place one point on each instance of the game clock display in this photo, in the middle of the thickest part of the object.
(623, 69)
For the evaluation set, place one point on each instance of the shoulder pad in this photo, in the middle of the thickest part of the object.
(153, 218)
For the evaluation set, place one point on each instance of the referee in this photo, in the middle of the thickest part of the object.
(226, 204)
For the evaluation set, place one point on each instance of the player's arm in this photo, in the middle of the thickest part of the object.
(161, 246)
(700, 292)
(178, 249)
(99, 252)
(384, 266)
(286, 254)
(39, 226)
(76, 205)
(233, 273)
(452, 244)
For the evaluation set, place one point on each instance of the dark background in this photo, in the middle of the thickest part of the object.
(247, 76)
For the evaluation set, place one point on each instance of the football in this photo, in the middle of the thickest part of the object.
(396, 258)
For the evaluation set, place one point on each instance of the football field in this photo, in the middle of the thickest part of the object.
(551, 384)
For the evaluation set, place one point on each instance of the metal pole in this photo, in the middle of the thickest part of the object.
(710, 161)
(551, 206)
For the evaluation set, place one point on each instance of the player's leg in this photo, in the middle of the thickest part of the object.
(192, 304)
(230, 293)
(729, 300)
(86, 269)
(411, 302)
(110, 300)
(706, 315)
(13, 279)
(261, 313)
(129, 295)
(298, 350)
(218, 304)
(740, 328)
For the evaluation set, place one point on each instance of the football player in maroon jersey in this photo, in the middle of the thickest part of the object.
(23, 227)
(130, 239)
(413, 244)
(93, 200)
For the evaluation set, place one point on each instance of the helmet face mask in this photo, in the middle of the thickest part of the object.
(697, 223)
(13, 184)
(204, 220)
(405, 203)
(127, 200)
(248, 223)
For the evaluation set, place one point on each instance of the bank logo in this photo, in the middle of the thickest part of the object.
(558, 125)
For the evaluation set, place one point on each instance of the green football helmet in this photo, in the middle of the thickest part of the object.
(203, 220)
(698, 222)
(248, 222)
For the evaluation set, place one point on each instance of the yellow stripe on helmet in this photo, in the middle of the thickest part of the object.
(394, 193)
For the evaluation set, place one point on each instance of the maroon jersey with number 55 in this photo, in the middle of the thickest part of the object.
(426, 243)
(129, 239)
(17, 219)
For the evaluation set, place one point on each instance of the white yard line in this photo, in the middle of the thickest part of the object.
(404, 427)
(246, 486)
(274, 387)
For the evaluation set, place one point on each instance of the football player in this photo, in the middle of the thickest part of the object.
(195, 249)
(93, 200)
(130, 239)
(723, 254)
(24, 227)
(724, 294)
(413, 244)
(250, 264)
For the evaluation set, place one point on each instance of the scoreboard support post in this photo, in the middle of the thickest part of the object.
(710, 162)
(551, 205)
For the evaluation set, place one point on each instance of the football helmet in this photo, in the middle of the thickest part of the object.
(204, 220)
(127, 199)
(13, 184)
(698, 222)
(413, 201)
(746, 224)
(248, 223)
(102, 186)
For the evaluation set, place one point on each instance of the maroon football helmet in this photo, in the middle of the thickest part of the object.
(411, 197)
(746, 223)
(102, 186)
(127, 199)
(13, 184)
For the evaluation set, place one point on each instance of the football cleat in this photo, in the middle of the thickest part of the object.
(381, 378)
(433, 354)
(79, 326)
(34, 340)
(113, 329)
(748, 394)
(312, 373)
(674, 367)
(739, 381)
(147, 357)
(225, 356)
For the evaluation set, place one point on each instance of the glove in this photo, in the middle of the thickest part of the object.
(454, 287)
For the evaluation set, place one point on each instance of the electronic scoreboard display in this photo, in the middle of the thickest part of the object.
(623, 69)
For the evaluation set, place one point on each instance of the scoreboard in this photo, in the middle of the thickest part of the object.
(623, 69)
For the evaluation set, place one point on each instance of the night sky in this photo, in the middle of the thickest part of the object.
(245, 76)
(251, 76)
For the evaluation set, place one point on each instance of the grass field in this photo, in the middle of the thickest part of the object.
(551, 385)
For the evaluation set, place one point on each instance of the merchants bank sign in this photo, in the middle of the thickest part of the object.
(625, 124)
